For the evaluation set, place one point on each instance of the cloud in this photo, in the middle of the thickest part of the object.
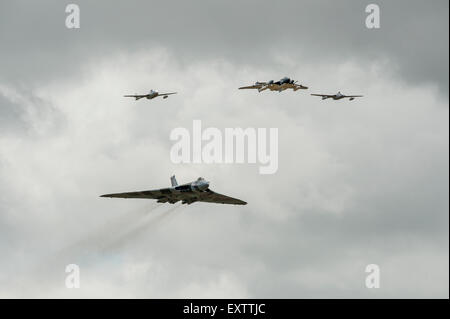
(358, 182)
(413, 35)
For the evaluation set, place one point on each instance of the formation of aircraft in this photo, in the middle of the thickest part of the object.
(151, 95)
(281, 85)
(337, 96)
(197, 191)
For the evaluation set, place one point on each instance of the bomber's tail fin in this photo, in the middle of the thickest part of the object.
(173, 180)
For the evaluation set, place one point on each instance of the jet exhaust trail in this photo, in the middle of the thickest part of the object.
(97, 238)
(146, 224)
(94, 241)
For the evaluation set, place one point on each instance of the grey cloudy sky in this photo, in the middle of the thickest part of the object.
(358, 183)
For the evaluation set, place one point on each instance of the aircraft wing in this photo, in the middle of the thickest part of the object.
(300, 87)
(293, 86)
(254, 86)
(165, 94)
(137, 97)
(323, 95)
(353, 96)
(209, 196)
(150, 194)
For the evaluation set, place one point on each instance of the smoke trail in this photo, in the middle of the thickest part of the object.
(144, 225)
(97, 238)
(94, 242)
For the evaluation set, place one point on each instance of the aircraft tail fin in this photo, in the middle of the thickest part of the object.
(173, 180)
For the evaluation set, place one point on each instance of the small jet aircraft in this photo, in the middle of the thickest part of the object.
(284, 84)
(151, 95)
(337, 96)
(197, 191)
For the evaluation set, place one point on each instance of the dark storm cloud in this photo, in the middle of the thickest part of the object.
(413, 34)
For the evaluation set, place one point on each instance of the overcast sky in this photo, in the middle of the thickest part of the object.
(361, 182)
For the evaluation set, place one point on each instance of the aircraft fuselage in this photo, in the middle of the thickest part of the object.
(152, 94)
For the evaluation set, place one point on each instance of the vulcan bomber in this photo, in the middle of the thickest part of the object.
(196, 191)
